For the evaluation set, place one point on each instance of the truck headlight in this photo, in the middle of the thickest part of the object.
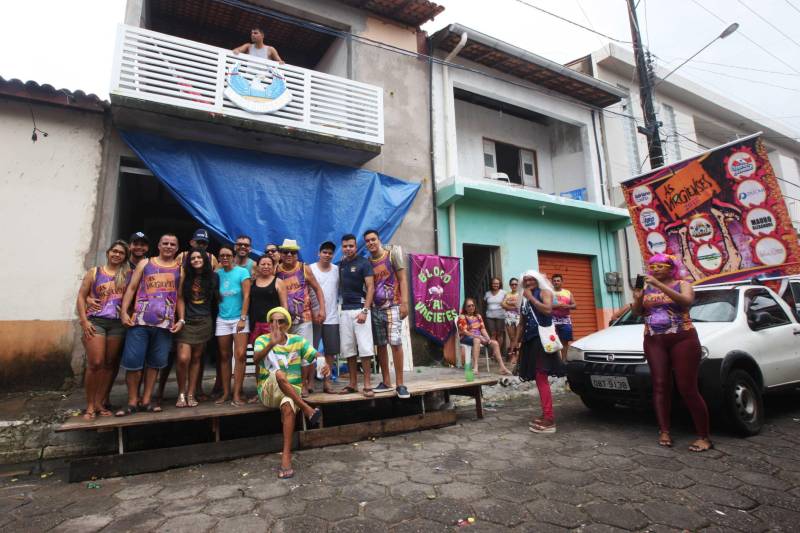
(574, 354)
(704, 352)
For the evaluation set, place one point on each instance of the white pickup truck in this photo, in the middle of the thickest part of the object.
(751, 347)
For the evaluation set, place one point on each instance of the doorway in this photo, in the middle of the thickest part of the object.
(145, 204)
(481, 264)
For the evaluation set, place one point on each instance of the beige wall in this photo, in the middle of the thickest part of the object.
(48, 192)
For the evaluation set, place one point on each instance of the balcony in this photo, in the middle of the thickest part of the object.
(167, 75)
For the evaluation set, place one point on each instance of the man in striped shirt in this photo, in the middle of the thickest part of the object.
(280, 358)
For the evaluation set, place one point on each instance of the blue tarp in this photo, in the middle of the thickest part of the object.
(270, 197)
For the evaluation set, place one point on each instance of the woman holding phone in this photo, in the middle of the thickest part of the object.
(671, 346)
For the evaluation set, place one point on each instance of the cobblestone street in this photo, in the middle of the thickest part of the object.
(598, 473)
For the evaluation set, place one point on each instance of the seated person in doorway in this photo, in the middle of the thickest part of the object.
(280, 357)
(257, 48)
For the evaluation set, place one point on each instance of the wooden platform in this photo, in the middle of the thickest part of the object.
(126, 462)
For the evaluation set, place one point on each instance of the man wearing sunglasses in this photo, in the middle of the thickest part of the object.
(298, 278)
(242, 253)
(280, 358)
(272, 251)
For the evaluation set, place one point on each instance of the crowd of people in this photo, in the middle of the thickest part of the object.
(144, 314)
(135, 311)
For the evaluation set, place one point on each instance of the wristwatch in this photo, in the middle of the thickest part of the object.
(365, 311)
(181, 321)
(243, 318)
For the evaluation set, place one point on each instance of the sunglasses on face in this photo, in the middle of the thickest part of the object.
(289, 252)
(271, 250)
(243, 244)
(281, 321)
(660, 266)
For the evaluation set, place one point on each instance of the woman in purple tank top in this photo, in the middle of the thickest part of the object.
(671, 346)
(103, 332)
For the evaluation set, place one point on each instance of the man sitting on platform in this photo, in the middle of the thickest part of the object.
(280, 357)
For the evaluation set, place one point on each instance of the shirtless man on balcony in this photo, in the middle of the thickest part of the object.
(257, 48)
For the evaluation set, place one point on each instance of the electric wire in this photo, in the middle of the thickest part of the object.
(390, 48)
(793, 6)
(750, 80)
(771, 25)
(743, 34)
(568, 21)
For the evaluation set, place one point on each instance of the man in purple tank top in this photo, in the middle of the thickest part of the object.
(389, 308)
(155, 292)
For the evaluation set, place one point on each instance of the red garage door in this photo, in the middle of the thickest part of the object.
(577, 272)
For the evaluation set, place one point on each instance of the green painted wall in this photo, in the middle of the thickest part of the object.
(522, 233)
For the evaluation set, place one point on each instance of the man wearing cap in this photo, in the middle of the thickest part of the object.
(297, 278)
(390, 307)
(355, 328)
(280, 357)
(139, 246)
(327, 275)
(199, 240)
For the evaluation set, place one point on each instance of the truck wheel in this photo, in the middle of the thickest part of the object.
(596, 404)
(742, 403)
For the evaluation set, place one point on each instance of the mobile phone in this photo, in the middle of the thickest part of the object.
(639, 282)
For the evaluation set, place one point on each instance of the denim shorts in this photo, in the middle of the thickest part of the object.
(146, 345)
(564, 332)
(107, 327)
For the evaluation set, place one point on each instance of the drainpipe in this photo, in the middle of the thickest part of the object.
(450, 150)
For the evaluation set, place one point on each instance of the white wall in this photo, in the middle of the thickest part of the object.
(474, 123)
(334, 61)
(47, 203)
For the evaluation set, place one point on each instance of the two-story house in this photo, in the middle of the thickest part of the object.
(342, 144)
(520, 169)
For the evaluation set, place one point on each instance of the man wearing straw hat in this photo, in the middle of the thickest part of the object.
(280, 358)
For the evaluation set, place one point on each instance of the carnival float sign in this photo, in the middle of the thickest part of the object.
(721, 213)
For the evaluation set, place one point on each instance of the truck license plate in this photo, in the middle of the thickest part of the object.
(610, 382)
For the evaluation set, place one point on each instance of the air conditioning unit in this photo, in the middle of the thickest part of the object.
(501, 176)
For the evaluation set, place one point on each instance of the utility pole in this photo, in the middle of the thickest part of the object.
(651, 123)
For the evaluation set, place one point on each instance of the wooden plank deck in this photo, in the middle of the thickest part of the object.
(208, 410)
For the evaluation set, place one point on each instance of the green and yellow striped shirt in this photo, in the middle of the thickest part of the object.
(290, 358)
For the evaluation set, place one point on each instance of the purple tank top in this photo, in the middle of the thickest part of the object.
(157, 295)
(387, 293)
(297, 297)
(104, 288)
(662, 315)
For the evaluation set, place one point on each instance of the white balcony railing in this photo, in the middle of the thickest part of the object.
(160, 68)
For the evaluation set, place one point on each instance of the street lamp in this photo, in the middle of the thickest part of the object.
(726, 32)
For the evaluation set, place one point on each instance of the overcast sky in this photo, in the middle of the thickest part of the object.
(70, 44)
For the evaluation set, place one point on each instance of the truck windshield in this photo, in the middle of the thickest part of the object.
(709, 306)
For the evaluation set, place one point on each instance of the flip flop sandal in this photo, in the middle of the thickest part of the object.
(191, 401)
(127, 410)
(313, 421)
(181, 401)
(105, 412)
(89, 415)
(368, 393)
(348, 390)
(700, 449)
(666, 442)
(285, 473)
(150, 408)
(237, 403)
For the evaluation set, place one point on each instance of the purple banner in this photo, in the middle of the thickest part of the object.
(436, 289)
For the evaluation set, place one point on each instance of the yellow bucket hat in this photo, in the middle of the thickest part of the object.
(282, 311)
